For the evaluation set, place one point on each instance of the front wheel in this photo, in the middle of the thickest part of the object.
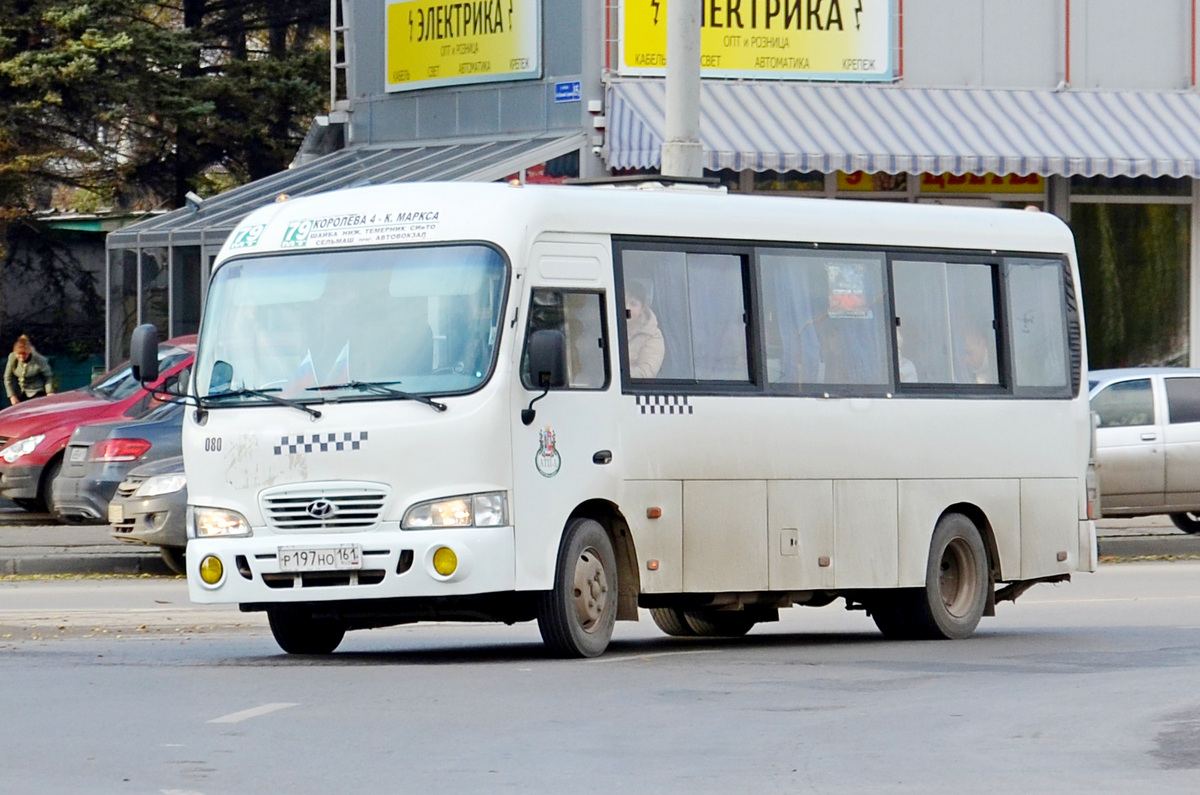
(174, 558)
(300, 632)
(45, 498)
(1188, 522)
(577, 615)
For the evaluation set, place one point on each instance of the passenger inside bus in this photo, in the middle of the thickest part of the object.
(646, 346)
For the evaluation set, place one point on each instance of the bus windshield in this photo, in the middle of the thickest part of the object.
(321, 326)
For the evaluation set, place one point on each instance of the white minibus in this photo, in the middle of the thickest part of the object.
(466, 402)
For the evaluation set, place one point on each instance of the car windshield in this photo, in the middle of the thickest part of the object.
(119, 383)
(318, 326)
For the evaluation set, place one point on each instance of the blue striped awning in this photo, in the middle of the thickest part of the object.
(825, 127)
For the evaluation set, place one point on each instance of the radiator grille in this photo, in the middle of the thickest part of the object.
(324, 508)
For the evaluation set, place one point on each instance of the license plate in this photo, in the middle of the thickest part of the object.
(78, 454)
(116, 513)
(343, 556)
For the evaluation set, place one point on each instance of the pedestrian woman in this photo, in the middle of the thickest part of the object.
(27, 374)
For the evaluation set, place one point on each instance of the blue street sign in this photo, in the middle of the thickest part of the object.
(566, 92)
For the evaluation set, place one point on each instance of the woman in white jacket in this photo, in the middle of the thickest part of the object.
(646, 347)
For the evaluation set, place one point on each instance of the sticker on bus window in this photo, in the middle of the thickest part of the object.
(547, 460)
(847, 290)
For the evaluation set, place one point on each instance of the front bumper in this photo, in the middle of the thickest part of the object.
(83, 499)
(159, 521)
(20, 482)
(395, 563)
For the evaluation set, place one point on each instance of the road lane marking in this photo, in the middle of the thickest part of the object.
(643, 657)
(253, 712)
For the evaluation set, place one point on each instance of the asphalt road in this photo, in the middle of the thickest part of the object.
(1084, 687)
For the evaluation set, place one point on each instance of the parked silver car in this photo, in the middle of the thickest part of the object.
(1148, 442)
(150, 508)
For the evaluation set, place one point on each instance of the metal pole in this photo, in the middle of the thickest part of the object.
(682, 154)
(591, 92)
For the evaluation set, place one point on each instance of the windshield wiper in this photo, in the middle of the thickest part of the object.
(263, 393)
(380, 388)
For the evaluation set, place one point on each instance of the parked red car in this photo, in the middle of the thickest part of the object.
(33, 434)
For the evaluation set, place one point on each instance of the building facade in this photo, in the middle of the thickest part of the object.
(1084, 108)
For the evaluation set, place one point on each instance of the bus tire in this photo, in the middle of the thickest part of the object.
(956, 583)
(889, 614)
(720, 623)
(577, 615)
(1188, 522)
(672, 621)
(299, 632)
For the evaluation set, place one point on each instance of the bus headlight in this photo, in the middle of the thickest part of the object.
(489, 509)
(21, 447)
(209, 522)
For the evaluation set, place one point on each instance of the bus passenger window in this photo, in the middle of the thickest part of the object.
(1037, 323)
(580, 317)
(824, 318)
(946, 321)
(692, 320)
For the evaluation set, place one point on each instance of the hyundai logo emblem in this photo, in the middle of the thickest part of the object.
(321, 509)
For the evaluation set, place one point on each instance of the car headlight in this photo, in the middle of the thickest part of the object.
(21, 447)
(161, 484)
(207, 522)
(489, 509)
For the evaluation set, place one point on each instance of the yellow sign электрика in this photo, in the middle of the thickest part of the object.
(455, 42)
(768, 39)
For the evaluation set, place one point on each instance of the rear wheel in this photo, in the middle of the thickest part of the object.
(956, 584)
(173, 558)
(26, 504)
(299, 632)
(576, 617)
(1188, 522)
(720, 623)
(672, 621)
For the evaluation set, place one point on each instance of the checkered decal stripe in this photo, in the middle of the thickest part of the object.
(664, 404)
(320, 443)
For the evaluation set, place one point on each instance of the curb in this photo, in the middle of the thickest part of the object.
(127, 564)
(1149, 545)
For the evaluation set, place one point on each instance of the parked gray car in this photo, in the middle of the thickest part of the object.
(150, 507)
(1148, 442)
(100, 455)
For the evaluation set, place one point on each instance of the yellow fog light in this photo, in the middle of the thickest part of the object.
(445, 561)
(211, 570)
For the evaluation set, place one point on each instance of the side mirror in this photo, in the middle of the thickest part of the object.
(143, 352)
(547, 359)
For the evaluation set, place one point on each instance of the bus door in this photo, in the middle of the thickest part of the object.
(567, 454)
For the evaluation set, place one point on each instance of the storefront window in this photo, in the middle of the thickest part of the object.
(789, 180)
(1130, 186)
(1133, 261)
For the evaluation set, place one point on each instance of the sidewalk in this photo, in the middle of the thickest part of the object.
(31, 544)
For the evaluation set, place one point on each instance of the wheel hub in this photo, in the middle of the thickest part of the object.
(956, 580)
(591, 589)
